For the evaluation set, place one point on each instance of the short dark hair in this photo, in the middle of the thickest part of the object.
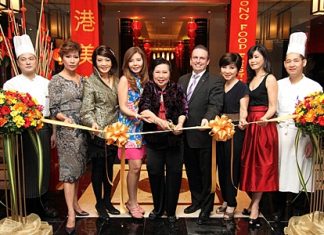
(231, 58)
(107, 52)
(157, 62)
(200, 46)
(69, 46)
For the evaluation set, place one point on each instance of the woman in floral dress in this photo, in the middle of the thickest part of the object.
(130, 88)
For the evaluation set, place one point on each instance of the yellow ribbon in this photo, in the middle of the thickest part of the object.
(222, 129)
(114, 134)
(117, 134)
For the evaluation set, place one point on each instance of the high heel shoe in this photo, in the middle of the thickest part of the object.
(134, 212)
(229, 215)
(254, 223)
(221, 209)
(70, 230)
(81, 213)
(111, 209)
(246, 212)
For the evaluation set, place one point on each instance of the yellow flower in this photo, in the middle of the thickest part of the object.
(19, 120)
(2, 101)
(310, 115)
(13, 100)
(35, 101)
(14, 113)
(33, 123)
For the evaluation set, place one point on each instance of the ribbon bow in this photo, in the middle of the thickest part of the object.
(116, 134)
(222, 128)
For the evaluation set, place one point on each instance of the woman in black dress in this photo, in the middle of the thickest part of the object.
(236, 100)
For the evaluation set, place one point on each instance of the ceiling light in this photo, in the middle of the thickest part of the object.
(318, 7)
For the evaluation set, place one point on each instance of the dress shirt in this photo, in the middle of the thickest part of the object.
(194, 79)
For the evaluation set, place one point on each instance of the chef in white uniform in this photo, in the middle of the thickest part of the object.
(290, 90)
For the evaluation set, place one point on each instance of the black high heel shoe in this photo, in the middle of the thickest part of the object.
(81, 213)
(254, 223)
(111, 209)
(246, 212)
(70, 230)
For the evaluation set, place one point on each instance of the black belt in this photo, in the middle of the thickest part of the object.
(234, 116)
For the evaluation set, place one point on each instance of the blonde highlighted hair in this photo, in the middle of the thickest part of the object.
(143, 74)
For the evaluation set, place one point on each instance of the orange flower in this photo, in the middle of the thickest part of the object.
(21, 107)
(3, 121)
(310, 113)
(18, 111)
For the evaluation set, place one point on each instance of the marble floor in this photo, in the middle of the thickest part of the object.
(87, 200)
(124, 224)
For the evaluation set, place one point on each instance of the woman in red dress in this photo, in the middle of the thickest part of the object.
(259, 163)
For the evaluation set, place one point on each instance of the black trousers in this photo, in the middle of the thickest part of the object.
(198, 168)
(102, 168)
(165, 172)
(295, 204)
(228, 171)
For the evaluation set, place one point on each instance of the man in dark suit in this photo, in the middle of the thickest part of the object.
(205, 99)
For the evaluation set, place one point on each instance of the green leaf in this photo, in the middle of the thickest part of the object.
(9, 155)
(39, 151)
(299, 171)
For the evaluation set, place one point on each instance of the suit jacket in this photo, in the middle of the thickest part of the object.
(205, 102)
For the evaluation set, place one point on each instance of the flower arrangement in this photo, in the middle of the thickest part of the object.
(310, 114)
(19, 111)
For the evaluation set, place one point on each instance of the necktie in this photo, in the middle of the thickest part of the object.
(191, 88)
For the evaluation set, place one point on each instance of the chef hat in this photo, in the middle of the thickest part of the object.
(23, 45)
(297, 43)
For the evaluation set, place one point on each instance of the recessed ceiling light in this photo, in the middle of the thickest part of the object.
(209, 11)
(163, 17)
(118, 11)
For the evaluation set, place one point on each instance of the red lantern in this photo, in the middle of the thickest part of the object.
(136, 27)
(147, 46)
(192, 27)
(181, 47)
